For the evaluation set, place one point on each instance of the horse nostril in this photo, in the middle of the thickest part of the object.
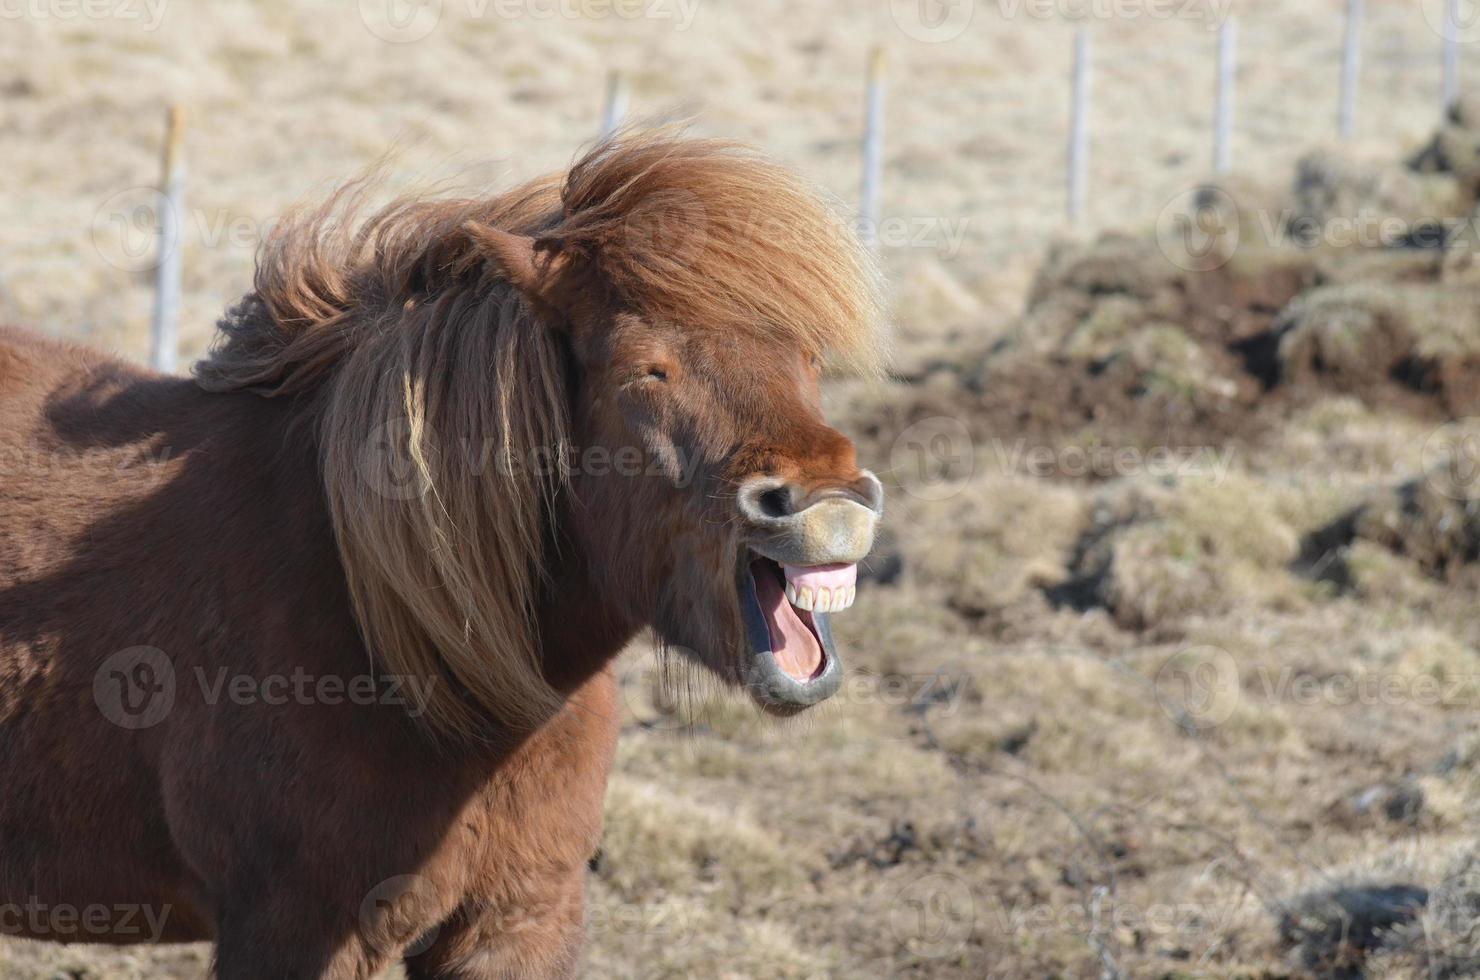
(775, 503)
(765, 500)
(827, 525)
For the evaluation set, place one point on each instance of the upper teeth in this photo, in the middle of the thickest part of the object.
(821, 599)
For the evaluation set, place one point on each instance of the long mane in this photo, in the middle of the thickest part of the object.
(438, 398)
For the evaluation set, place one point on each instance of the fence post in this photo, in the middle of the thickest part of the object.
(1223, 116)
(1079, 126)
(1351, 66)
(873, 150)
(1450, 88)
(616, 103)
(164, 330)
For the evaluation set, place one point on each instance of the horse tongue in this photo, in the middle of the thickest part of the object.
(795, 648)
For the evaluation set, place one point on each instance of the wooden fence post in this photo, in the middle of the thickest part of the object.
(1351, 66)
(164, 330)
(873, 150)
(1223, 116)
(616, 103)
(1079, 126)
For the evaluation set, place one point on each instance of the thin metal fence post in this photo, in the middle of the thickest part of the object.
(164, 329)
(873, 150)
(1079, 127)
(616, 103)
(1450, 87)
(1351, 67)
(1223, 115)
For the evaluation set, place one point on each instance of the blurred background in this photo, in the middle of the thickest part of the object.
(1169, 663)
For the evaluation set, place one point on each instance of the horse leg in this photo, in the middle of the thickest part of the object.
(541, 940)
(256, 946)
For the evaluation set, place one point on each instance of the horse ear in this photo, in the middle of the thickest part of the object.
(518, 259)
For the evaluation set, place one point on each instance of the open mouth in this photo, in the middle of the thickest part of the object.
(794, 662)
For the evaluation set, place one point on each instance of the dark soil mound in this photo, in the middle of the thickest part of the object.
(1213, 329)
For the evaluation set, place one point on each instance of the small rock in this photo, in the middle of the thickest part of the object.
(1399, 802)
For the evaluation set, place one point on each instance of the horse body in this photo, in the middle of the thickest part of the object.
(311, 655)
(193, 827)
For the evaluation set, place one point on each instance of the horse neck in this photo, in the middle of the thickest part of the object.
(579, 633)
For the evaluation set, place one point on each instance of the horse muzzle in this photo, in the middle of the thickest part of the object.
(801, 567)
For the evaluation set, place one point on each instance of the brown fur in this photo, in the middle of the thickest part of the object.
(385, 512)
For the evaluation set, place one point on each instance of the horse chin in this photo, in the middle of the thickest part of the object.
(791, 661)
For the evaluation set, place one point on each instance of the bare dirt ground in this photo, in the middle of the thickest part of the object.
(1170, 665)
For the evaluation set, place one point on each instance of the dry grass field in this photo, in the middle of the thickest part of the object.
(1169, 665)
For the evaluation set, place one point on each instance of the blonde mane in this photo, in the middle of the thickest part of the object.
(439, 399)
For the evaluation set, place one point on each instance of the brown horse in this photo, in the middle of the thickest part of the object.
(310, 655)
